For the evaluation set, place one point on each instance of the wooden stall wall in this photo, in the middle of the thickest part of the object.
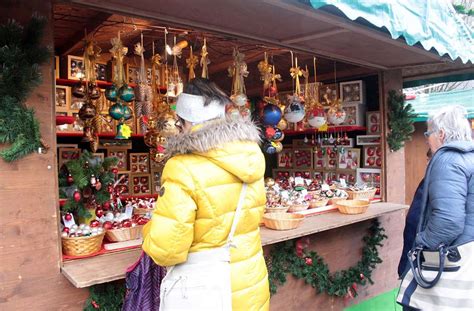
(416, 161)
(341, 248)
(29, 241)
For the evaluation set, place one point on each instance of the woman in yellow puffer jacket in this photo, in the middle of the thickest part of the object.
(201, 184)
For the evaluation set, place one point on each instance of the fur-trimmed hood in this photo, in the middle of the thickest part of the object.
(232, 145)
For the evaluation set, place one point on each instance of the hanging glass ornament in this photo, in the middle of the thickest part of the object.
(317, 117)
(111, 93)
(282, 125)
(336, 115)
(294, 112)
(271, 114)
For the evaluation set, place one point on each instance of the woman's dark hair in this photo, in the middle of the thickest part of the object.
(207, 89)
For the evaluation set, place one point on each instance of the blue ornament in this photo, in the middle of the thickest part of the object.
(127, 112)
(126, 93)
(111, 93)
(269, 148)
(271, 114)
(116, 111)
(278, 136)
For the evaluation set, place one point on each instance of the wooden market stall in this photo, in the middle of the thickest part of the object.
(33, 271)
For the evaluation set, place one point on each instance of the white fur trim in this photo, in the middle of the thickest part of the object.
(191, 108)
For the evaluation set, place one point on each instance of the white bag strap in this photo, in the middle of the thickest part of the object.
(237, 214)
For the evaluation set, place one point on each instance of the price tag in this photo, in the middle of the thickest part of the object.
(129, 211)
(325, 187)
(343, 183)
(299, 181)
(69, 223)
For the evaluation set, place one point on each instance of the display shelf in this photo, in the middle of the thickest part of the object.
(101, 135)
(102, 84)
(96, 270)
(60, 120)
(331, 129)
(123, 197)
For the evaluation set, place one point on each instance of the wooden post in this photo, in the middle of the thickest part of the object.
(393, 176)
(30, 253)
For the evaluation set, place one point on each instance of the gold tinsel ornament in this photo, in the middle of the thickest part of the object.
(204, 61)
(238, 71)
(191, 62)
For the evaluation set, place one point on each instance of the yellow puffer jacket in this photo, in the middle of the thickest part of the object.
(201, 186)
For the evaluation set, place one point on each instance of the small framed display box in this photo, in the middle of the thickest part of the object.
(67, 154)
(368, 140)
(318, 176)
(282, 173)
(306, 174)
(303, 158)
(352, 92)
(56, 67)
(328, 92)
(373, 122)
(348, 175)
(320, 159)
(121, 155)
(285, 158)
(156, 180)
(139, 162)
(331, 159)
(355, 114)
(107, 124)
(72, 67)
(330, 176)
(370, 177)
(101, 71)
(372, 156)
(141, 184)
(348, 158)
(124, 182)
(132, 75)
(62, 98)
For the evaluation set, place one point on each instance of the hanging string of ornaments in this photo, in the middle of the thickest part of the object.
(238, 71)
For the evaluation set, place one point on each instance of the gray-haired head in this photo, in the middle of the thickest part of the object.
(452, 120)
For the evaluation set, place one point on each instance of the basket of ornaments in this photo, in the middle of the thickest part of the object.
(120, 227)
(334, 195)
(142, 206)
(363, 192)
(82, 239)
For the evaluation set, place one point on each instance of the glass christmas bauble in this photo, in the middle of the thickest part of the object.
(239, 99)
(336, 116)
(317, 117)
(271, 114)
(111, 93)
(126, 93)
(116, 111)
(294, 112)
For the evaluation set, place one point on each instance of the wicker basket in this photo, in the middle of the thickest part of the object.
(124, 234)
(320, 202)
(82, 246)
(353, 206)
(277, 209)
(142, 211)
(368, 194)
(282, 221)
(334, 200)
(298, 207)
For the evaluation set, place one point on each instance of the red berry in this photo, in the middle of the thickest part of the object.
(115, 170)
(66, 229)
(309, 261)
(68, 216)
(77, 196)
(94, 223)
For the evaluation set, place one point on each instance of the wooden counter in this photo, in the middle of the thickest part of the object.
(110, 267)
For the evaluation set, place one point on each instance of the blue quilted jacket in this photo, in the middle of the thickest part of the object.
(449, 191)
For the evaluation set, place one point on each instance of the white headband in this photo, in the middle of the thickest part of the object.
(191, 108)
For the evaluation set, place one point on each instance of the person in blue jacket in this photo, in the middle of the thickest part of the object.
(450, 217)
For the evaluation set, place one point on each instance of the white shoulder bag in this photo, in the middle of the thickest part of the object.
(203, 282)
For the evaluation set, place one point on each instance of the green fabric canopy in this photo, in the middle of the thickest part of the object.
(432, 23)
(425, 104)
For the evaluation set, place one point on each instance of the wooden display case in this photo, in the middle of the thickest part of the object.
(121, 155)
(355, 114)
(320, 159)
(303, 158)
(352, 92)
(370, 177)
(373, 122)
(72, 67)
(282, 173)
(141, 184)
(372, 156)
(139, 162)
(348, 158)
(368, 140)
(285, 158)
(67, 154)
(62, 98)
(124, 183)
(349, 175)
(330, 176)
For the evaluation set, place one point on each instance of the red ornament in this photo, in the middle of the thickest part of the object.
(70, 180)
(115, 170)
(107, 225)
(66, 229)
(270, 132)
(99, 212)
(142, 221)
(68, 216)
(94, 223)
(95, 304)
(308, 261)
(76, 196)
(127, 223)
(362, 276)
(106, 206)
(98, 185)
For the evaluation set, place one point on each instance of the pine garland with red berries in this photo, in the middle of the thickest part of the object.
(290, 257)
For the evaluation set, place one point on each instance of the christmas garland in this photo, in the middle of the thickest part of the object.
(291, 258)
(400, 120)
(21, 55)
